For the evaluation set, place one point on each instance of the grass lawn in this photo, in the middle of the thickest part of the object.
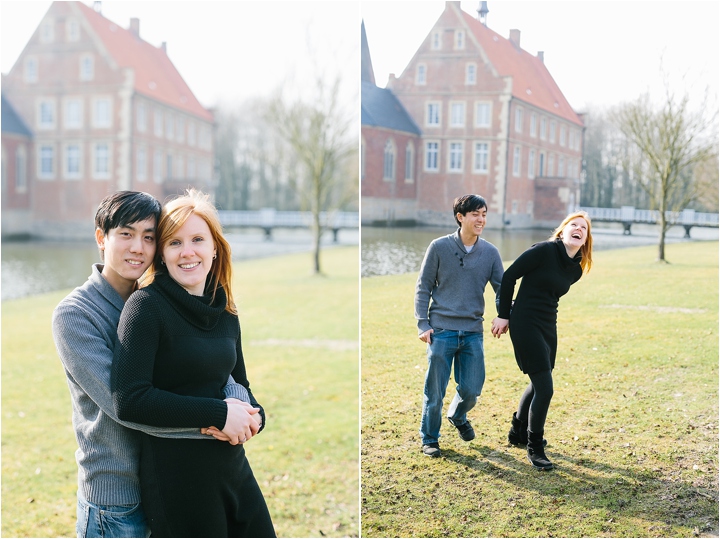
(632, 429)
(300, 339)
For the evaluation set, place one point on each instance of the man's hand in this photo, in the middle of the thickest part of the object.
(499, 326)
(425, 336)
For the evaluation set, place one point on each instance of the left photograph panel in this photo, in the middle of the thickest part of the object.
(180, 269)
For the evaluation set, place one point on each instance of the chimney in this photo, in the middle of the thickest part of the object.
(97, 6)
(515, 37)
(163, 46)
(541, 56)
(135, 26)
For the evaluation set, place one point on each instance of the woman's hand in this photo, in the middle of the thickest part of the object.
(499, 326)
(242, 423)
(221, 436)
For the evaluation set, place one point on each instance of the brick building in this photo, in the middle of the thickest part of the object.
(492, 121)
(107, 111)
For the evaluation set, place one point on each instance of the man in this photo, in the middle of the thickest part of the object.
(449, 308)
(85, 331)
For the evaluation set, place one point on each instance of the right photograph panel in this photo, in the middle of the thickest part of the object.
(531, 194)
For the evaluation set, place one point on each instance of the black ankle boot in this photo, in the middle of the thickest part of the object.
(536, 451)
(518, 431)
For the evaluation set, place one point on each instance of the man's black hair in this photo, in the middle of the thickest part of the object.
(466, 204)
(125, 208)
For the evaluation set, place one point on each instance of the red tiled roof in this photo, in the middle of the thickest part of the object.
(532, 82)
(155, 75)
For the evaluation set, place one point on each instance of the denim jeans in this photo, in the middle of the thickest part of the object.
(110, 520)
(465, 349)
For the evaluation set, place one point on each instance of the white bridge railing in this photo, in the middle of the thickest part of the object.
(269, 218)
(627, 215)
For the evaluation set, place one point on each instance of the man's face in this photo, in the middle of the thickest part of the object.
(473, 222)
(128, 251)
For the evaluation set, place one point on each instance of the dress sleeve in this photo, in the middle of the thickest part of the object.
(87, 356)
(524, 264)
(424, 286)
(134, 396)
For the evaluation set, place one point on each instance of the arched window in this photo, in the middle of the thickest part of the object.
(389, 161)
(409, 162)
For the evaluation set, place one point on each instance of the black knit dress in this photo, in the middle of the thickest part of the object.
(174, 354)
(547, 273)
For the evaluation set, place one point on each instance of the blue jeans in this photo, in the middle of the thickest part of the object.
(465, 348)
(110, 520)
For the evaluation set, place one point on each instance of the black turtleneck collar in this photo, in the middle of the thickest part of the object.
(197, 310)
(565, 259)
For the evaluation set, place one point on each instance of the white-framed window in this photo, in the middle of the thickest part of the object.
(482, 114)
(563, 134)
(421, 74)
(481, 157)
(457, 114)
(541, 168)
(531, 164)
(459, 40)
(46, 162)
(169, 170)
(389, 161)
(204, 136)
(158, 122)
(514, 207)
(47, 31)
(20, 170)
(455, 156)
(436, 40)
(432, 156)
(101, 161)
(561, 166)
(471, 73)
(191, 133)
(141, 117)
(46, 114)
(87, 67)
(180, 129)
(533, 125)
(73, 161)
(180, 167)
(157, 166)
(529, 207)
(518, 120)
(552, 130)
(191, 168)
(141, 164)
(432, 114)
(571, 139)
(73, 114)
(409, 162)
(551, 165)
(516, 161)
(72, 30)
(30, 71)
(102, 112)
(543, 127)
(169, 126)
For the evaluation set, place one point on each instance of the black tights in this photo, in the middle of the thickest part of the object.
(535, 401)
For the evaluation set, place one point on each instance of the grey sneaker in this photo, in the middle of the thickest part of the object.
(431, 450)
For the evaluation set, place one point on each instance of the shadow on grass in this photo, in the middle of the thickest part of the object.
(624, 492)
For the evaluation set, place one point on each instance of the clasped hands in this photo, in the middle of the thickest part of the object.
(499, 326)
(242, 423)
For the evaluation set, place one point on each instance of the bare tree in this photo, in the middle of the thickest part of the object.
(672, 141)
(319, 133)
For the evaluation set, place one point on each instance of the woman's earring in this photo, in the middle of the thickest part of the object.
(162, 262)
(214, 256)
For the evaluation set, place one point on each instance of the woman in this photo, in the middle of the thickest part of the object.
(548, 269)
(178, 340)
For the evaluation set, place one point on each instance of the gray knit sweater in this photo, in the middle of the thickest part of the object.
(455, 281)
(85, 332)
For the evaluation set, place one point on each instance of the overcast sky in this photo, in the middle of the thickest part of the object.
(598, 52)
(224, 50)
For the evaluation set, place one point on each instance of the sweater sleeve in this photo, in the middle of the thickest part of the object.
(134, 395)
(87, 357)
(525, 263)
(424, 286)
(496, 276)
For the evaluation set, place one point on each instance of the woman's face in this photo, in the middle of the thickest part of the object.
(188, 254)
(575, 234)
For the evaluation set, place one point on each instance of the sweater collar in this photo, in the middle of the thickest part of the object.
(197, 310)
(565, 259)
(104, 288)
